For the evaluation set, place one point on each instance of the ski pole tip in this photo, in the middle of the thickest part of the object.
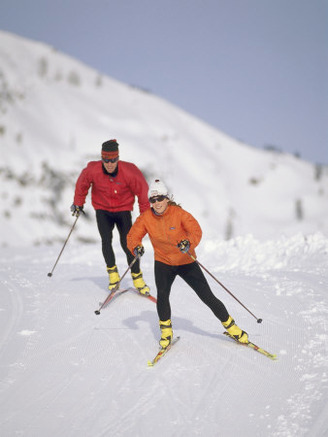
(49, 274)
(259, 320)
(97, 312)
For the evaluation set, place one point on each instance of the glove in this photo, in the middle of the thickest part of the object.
(139, 250)
(76, 210)
(184, 246)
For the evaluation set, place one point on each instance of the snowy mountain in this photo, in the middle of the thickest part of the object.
(55, 114)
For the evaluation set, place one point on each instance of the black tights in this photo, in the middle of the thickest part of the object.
(106, 221)
(194, 277)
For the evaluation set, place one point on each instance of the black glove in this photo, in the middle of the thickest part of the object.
(184, 246)
(76, 210)
(139, 250)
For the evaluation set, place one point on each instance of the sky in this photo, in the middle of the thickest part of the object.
(255, 69)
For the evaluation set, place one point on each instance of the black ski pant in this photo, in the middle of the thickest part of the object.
(192, 274)
(106, 221)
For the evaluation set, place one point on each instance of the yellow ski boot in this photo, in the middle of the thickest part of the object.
(140, 284)
(235, 331)
(114, 277)
(166, 333)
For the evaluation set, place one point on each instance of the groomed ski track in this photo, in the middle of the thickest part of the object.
(66, 372)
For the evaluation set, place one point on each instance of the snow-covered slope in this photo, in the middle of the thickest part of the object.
(66, 372)
(55, 114)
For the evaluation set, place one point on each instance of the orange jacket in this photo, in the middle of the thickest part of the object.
(165, 232)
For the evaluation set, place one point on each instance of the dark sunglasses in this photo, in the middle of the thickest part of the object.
(110, 160)
(157, 199)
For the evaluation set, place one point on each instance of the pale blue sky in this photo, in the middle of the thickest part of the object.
(255, 69)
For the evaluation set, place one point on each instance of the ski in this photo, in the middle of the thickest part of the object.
(112, 294)
(115, 293)
(163, 351)
(253, 346)
(147, 296)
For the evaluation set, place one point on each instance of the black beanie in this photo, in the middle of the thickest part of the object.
(110, 146)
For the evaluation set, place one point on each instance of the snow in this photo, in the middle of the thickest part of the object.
(66, 371)
(56, 113)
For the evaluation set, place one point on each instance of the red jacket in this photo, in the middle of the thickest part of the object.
(112, 193)
(165, 232)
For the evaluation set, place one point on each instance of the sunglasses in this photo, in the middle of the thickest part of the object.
(157, 199)
(110, 160)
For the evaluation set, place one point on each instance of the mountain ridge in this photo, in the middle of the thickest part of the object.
(56, 112)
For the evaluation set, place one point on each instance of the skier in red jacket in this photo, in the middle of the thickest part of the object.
(114, 186)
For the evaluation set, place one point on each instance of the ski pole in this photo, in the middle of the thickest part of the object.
(50, 273)
(225, 288)
(126, 271)
(114, 290)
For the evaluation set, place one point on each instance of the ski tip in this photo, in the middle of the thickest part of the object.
(150, 364)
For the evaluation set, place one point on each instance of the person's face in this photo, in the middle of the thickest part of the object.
(159, 203)
(110, 164)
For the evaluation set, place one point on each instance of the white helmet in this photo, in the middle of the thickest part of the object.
(157, 188)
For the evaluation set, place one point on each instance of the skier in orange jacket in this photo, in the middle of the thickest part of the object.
(174, 234)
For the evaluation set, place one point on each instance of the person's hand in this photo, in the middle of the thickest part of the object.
(76, 210)
(139, 250)
(184, 246)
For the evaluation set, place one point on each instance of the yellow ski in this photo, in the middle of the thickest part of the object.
(162, 352)
(253, 346)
